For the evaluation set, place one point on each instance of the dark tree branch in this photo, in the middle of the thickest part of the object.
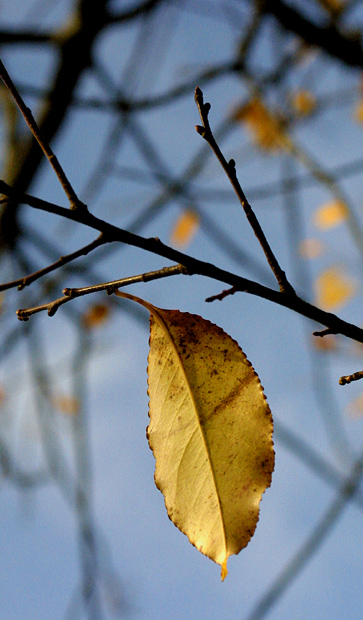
(75, 47)
(328, 38)
(230, 170)
(193, 265)
(52, 158)
(19, 37)
(140, 9)
(63, 260)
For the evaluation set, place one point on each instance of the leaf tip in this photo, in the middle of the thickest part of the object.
(224, 571)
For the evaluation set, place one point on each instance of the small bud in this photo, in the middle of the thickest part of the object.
(199, 129)
(198, 94)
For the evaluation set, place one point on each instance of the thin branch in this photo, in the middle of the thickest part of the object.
(230, 170)
(222, 295)
(75, 203)
(346, 48)
(323, 332)
(349, 378)
(19, 37)
(129, 14)
(71, 293)
(193, 265)
(63, 260)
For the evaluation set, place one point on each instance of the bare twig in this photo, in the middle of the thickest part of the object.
(222, 295)
(75, 203)
(323, 332)
(63, 260)
(349, 378)
(71, 293)
(230, 170)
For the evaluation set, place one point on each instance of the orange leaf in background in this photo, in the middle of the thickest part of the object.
(331, 215)
(303, 102)
(333, 289)
(2, 395)
(69, 405)
(311, 248)
(355, 407)
(334, 6)
(184, 229)
(265, 127)
(96, 315)
(358, 112)
(327, 343)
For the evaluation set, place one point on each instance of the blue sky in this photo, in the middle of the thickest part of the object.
(143, 558)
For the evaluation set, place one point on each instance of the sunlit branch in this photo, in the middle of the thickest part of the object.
(349, 378)
(110, 287)
(230, 170)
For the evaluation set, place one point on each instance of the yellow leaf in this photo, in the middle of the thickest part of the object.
(330, 215)
(311, 248)
(333, 289)
(304, 102)
(185, 228)
(210, 431)
(265, 127)
(95, 315)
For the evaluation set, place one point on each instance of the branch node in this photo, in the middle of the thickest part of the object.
(232, 167)
(78, 205)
